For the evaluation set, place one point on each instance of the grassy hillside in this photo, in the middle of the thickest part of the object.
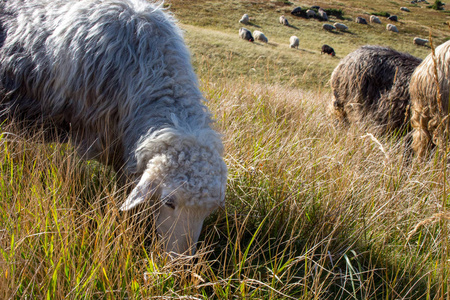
(314, 211)
(212, 34)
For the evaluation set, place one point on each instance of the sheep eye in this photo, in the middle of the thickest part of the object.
(170, 204)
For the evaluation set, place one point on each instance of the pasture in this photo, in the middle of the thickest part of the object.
(314, 210)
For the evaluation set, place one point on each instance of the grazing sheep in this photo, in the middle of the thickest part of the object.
(375, 19)
(297, 11)
(310, 13)
(322, 15)
(393, 18)
(405, 9)
(328, 50)
(328, 27)
(115, 78)
(284, 21)
(360, 20)
(391, 27)
(429, 102)
(420, 42)
(245, 19)
(294, 42)
(245, 34)
(259, 36)
(371, 83)
(340, 26)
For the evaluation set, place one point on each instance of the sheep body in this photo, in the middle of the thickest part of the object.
(322, 15)
(259, 36)
(360, 20)
(429, 101)
(391, 27)
(420, 41)
(283, 21)
(371, 83)
(328, 27)
(310, 13)
(328, 50)
(115, 78)
(393, 18)
(294, 42)
(340, 26)
(375, 19)
(246, 34)
(245, 19)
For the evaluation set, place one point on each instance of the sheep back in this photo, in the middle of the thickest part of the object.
(371, 83)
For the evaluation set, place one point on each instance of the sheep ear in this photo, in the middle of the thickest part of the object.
(142, 190)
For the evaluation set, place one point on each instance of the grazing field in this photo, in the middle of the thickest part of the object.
(314, 210)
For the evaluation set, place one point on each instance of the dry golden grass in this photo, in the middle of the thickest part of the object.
(313, 212)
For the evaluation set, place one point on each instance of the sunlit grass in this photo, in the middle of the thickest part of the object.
(313, 212)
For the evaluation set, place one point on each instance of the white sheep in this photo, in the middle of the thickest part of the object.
(375, 19)
(294, 42)
(391, 27)
(115, 78)
(323, 15)
(259, 36)
(420, 41)
(245, 19)
(283, 20)
(246, 34)
(340, 26)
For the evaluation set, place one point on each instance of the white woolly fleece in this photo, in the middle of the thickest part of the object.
(114, 76)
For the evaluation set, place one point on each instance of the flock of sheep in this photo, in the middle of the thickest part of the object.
(294, 41)
(115, 78)
(321, 15)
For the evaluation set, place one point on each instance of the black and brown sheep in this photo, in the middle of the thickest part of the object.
(372, 83)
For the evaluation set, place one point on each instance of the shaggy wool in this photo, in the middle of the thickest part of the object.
(372, 84)
(114, 77)
(430, 98)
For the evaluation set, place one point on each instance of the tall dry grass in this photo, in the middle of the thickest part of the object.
(313, 212)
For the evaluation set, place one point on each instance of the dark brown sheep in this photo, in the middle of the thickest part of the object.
(328, 50)
(430, 102)
(371, 83)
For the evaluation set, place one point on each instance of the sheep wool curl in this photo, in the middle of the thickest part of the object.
(294, 42)
(259, 36)
(115, 78)
(371, 84)
(429, 101)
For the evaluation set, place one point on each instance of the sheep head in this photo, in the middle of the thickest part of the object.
(189, 180)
